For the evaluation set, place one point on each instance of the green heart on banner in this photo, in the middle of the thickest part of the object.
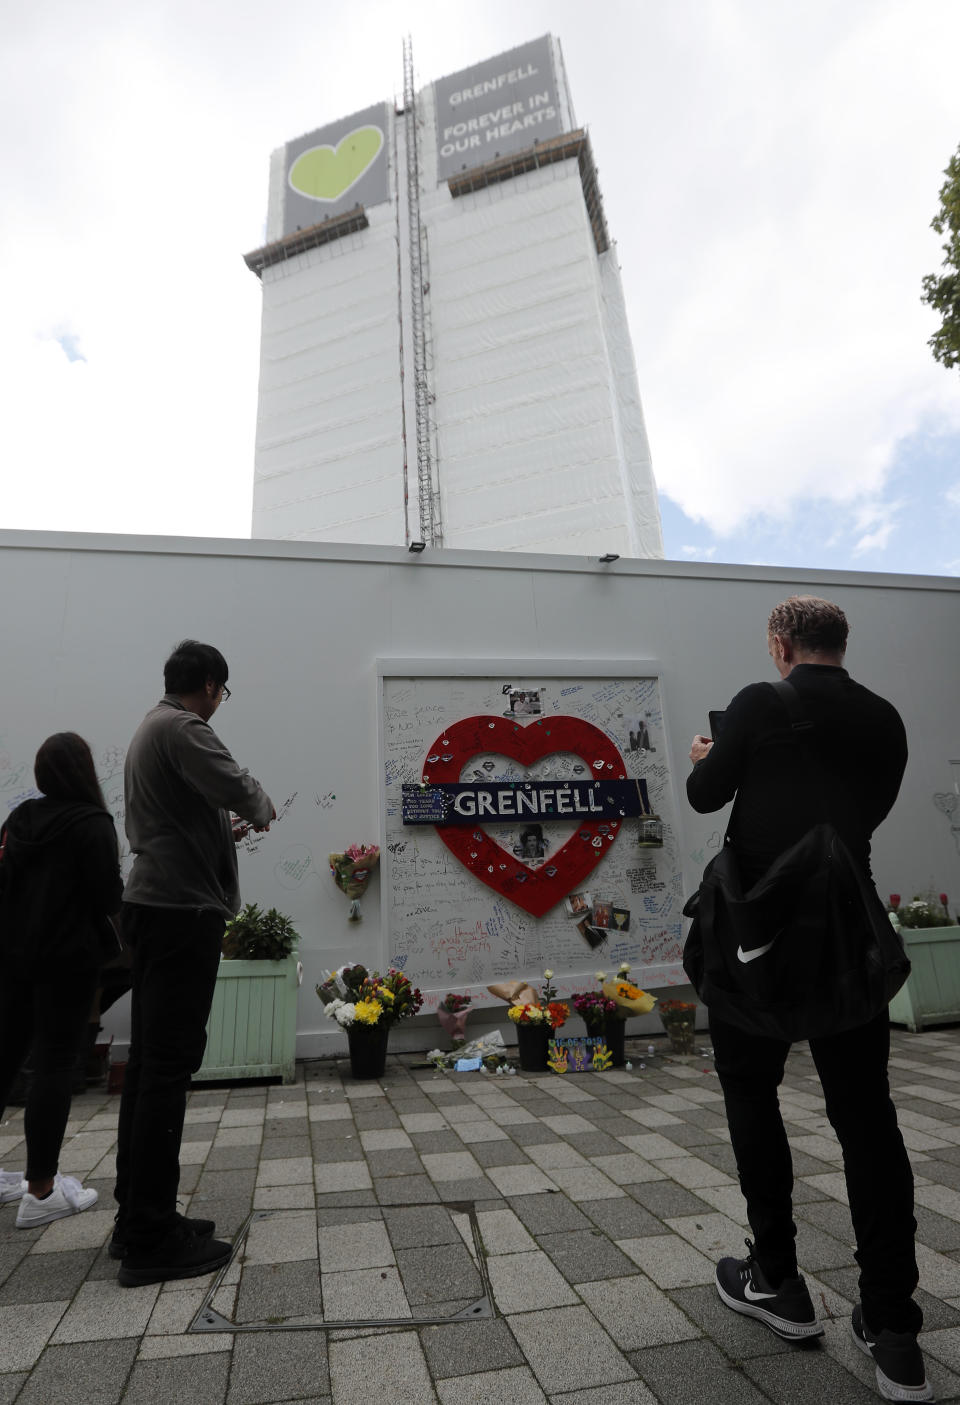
(327, 172)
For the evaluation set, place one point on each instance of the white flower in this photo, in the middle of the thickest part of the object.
(331, 1007)
(624, 967)
(601, 975)
(548, 974)
(345, 1013)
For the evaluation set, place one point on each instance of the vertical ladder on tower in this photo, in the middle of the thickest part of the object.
(428, 489)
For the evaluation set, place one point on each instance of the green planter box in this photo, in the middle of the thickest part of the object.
(252, 1030)
(931, 995)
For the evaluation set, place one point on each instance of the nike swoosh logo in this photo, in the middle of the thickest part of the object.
(746, 956)
(753, 1296)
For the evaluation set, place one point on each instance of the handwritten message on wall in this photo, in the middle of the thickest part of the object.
(447, 929)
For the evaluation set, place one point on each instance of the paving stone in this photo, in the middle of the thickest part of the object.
(737, 1336)
(666, 1200)
(695, 1370)
(10, 1383)
(286, 1290)
(549, 1213)
(517, 1385)
(450, 1166)
(284, 1197)
(401, 1162)
(622, 1218)
(281, 1238)
(355, 1246)
(433, 1276)
(569, 1350)
(25, 1330)
(272, 1366)
(342, 1175)
(623, 1393)
(84, 1231)
(797, 1378)
(502, 1233)
(415, 1226)
(355, 1363)
(43, 1277)
(363, 1295)
(521, 1180)
(499, 1153)
(484, 1345)
(636, 1313)
(584, 1255)
(296, 1170)
(527, 1280)
(227, 1183)
(409, 1190)
(585, 1183)
(232, 1158)
(669, 1260)
(93, 1373)
(286, 1147)
(171, 1382)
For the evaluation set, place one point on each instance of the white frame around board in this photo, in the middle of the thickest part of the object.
(538, 945)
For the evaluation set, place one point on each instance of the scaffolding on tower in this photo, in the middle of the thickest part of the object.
(428, 488)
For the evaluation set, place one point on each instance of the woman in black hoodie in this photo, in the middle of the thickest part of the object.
(59, 886)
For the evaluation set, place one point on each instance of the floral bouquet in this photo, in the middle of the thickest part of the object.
(452, 1014)
(922, 912)
(544, 1010)
(680, 1021)
(594, 1007)
(358, 998)
(629, 999)
(351, 872)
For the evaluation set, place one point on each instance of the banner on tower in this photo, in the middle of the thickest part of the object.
(497, 107)
(331, 170)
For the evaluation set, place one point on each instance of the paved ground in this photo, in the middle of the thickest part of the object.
(603, 1201)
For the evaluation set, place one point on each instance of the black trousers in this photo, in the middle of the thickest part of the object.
(853, 1071)
(51, 1017)
(176, 953)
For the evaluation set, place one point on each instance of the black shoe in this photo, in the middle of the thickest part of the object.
(899, 1361)
(201, 1229)
(180, 1255)
(786, 1310)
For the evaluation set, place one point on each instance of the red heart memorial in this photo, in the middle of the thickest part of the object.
(536, 890)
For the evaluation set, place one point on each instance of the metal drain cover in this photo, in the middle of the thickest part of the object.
(351, 1266)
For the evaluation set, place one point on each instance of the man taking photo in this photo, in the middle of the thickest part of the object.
(180, 784)
(755, 761)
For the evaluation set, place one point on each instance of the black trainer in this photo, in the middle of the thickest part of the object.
(180, 1255)
(899, 1361)
(786, 1310)
(203, 1229)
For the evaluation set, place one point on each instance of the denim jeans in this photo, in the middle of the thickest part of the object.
(853, 1072)
(50, 1017)
(176, 953)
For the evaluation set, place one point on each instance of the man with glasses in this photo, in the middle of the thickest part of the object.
(180, 784)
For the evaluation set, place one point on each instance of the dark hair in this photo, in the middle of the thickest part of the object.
(64, 770)
(191, 664)
(816, 626)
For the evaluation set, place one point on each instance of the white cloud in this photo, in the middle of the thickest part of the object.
(769, 172)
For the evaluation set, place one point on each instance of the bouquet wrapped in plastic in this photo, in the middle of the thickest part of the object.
(351, 871)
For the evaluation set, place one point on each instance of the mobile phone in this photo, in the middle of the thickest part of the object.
(716, 723)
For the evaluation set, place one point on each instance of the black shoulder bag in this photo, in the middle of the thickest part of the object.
(809, 949)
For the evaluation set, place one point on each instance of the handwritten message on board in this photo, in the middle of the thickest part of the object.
(454, 931)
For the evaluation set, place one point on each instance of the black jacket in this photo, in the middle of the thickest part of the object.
(858, 738)
(59, 884)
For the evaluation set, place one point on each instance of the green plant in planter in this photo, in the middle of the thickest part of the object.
(254, 935)
(927, 911)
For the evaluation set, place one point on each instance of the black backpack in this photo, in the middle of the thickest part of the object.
(808, 950)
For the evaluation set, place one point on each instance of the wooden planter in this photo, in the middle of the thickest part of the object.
(252, 1030)
(931, 995)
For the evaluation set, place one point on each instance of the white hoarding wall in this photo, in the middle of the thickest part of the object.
(329, 452)
(321, 723)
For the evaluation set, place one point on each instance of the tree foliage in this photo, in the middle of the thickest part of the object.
(942, 291)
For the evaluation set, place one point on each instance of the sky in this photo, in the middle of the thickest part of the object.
(769, 173)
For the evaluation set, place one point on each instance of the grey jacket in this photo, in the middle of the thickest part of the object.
(180, 781)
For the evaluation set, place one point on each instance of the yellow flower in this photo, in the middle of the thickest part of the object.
(368, 1011)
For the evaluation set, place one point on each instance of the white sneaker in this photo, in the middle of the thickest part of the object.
(68, 1197)
(12, 1186)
